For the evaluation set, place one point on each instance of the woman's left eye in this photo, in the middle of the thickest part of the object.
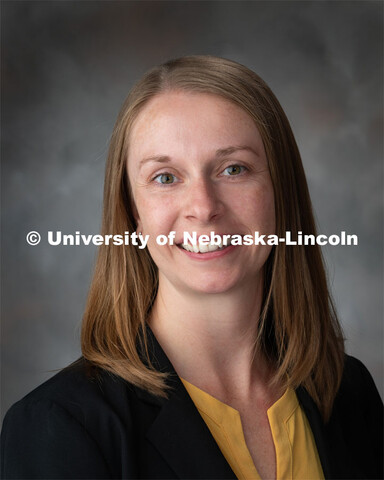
(234, 170)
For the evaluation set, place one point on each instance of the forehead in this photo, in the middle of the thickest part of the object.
(178, 121)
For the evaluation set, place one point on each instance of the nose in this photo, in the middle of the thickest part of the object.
(202, 201)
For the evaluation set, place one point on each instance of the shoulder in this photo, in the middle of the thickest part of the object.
(73, 388)
(358, 401)
(76, 415)
(357, 385)
(354, 369)
(81, 391)
(357, 420)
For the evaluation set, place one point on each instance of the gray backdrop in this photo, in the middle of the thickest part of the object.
(66, 68)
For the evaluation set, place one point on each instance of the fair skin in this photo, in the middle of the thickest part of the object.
(197, 164)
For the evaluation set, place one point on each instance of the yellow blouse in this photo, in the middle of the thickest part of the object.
(296, 452)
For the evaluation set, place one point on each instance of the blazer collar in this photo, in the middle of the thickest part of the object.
(178, 432)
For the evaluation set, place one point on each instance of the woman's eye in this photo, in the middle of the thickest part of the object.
(233, 170)
(165, 178)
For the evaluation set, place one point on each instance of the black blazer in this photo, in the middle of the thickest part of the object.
(87, 423)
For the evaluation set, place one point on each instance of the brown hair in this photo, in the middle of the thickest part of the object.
(298, 324)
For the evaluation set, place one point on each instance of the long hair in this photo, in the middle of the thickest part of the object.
(298, 326)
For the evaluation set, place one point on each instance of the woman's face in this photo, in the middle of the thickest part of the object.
(196, 163)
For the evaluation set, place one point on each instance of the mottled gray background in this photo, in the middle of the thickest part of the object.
(66, 68)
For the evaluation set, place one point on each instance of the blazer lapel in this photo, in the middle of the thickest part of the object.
(179, 433)
(185, 442)
(334, 458)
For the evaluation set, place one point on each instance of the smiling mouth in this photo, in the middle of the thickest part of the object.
(205, 248)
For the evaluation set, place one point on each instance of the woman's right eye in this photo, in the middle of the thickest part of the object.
(165, 178)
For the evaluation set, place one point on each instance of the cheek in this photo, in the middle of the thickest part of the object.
(257, 209)
(267, 211)
(155, 215)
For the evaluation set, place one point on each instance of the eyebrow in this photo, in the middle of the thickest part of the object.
(221, 152)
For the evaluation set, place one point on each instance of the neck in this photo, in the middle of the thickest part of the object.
(210, 338)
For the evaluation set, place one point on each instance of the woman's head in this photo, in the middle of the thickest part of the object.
(244, 89)
(297, 316)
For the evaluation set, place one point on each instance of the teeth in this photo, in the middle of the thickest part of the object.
(202, 248)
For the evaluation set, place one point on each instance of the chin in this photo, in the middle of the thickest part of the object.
(213, 285)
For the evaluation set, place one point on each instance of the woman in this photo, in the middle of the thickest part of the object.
(205, 361)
